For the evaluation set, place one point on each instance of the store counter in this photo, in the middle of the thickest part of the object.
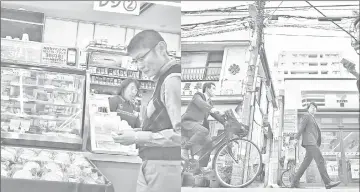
(122, 171)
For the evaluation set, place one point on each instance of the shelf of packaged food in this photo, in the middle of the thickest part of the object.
(100, 84)
(44, 117)
(119, 77)
(51, 87)
(58, 138)
(41, 67)
(7, 98)
(105, 50)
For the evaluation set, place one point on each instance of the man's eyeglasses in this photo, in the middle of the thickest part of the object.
(142, 58)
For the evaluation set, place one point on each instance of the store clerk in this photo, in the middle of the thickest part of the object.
(123, 103)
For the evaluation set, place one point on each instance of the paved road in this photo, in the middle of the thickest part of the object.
(338, 189)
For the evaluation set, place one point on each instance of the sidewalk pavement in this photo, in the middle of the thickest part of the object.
(337, 189)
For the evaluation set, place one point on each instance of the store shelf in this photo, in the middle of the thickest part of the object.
(43, 117)
(50, 87)
(41, 67)
(117, 86)
(44, 138)
(118, 77)
(6, 98)
(105, 50)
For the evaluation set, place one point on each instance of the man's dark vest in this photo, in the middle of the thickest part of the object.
(159, 121)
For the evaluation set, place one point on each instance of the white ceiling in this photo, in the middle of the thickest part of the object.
(164, 18)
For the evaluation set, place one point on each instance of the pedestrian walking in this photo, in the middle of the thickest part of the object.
(311, 141)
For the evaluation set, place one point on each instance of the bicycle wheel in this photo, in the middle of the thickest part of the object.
(249, 158)
(288, 176)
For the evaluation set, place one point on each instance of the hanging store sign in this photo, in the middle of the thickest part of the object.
(54, 55)
(124, 7)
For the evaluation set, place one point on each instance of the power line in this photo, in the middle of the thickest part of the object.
(294, 35)
(234, 9)
(233, 20)
(331, 21)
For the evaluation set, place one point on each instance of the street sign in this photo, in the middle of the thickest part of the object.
(124, 7)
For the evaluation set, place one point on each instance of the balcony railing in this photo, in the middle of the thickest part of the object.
(201, 74)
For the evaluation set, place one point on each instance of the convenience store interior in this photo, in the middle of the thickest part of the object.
(60, 62)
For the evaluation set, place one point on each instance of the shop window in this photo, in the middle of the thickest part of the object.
(114, 34)
(60, 32)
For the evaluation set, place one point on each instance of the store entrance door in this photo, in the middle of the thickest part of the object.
(340, 149)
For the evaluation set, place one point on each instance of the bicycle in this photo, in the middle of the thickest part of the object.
(288, 175)
(233, 134)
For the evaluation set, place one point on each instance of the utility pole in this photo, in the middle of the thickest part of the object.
(257, 14)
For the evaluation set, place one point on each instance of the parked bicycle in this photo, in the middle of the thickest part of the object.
(241, 166)
(288, 175)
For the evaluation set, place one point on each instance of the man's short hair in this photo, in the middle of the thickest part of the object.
(312, 103)
(207, 85)
(144, 39)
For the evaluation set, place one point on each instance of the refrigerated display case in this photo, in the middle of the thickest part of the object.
(42, 121)
(42, 106)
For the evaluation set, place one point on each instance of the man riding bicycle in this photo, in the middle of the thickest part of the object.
(195, 124)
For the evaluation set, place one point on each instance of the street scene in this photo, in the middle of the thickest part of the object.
(285, 77)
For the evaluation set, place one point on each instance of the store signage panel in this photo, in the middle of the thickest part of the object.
(20, 51)
(54, 55)
(124, 7)
(354, 168)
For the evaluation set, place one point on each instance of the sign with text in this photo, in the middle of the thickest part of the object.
(125, 7)
(54, 55)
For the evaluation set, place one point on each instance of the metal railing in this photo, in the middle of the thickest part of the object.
(200, 74)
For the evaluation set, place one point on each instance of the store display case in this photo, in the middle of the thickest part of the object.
(42, 96)
(38, 170)
(42, 121)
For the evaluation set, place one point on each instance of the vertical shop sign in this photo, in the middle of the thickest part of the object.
(354, 168)
(54, 55)
(125, 7)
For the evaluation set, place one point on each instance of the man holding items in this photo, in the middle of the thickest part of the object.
(160, 137)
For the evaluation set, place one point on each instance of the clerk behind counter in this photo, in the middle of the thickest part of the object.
(123, 103)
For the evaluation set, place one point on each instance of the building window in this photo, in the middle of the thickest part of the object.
(342, 104)
(286, 72)
(295, 55)
(319, 99)
(279, 81)
(324, 72)
(313, 56)
(313, 64)
(200, 66)
(336, 72)
(313, 73)
(323, 64)
(321, 55)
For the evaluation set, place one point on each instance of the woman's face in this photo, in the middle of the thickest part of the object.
(130, 92)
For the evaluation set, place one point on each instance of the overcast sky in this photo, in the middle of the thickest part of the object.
(274, 44)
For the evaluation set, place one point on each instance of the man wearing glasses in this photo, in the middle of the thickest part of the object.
(160, 137)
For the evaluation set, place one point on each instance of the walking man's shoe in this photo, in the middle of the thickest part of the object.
(332, 184)
(295, 185)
